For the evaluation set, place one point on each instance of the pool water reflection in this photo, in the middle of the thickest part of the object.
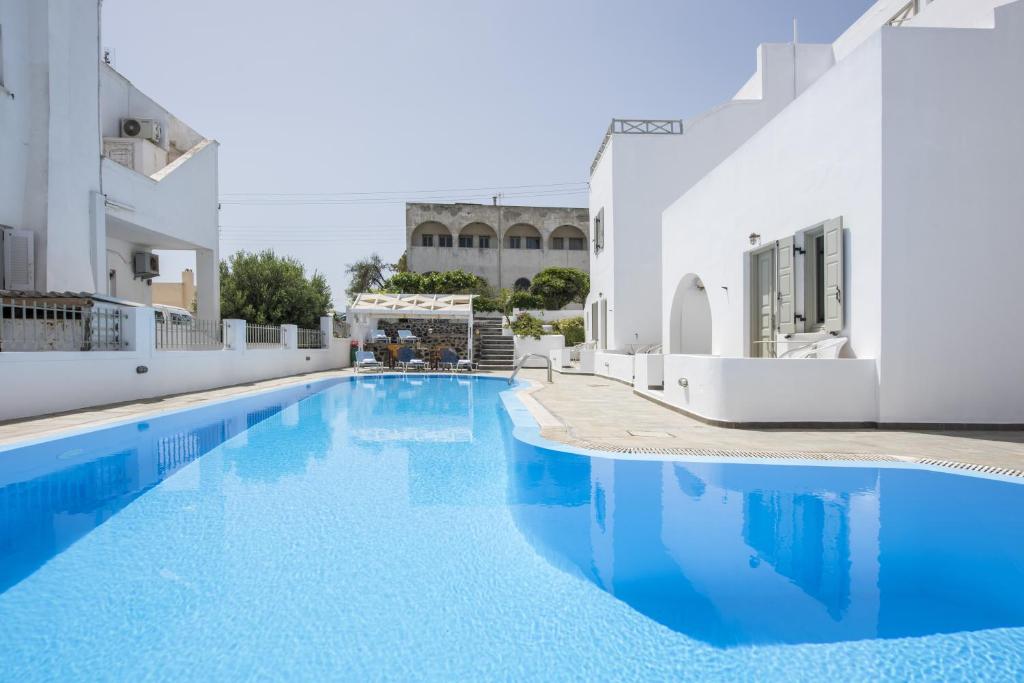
(736, 554)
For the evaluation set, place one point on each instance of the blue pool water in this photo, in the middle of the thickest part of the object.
(417, 528)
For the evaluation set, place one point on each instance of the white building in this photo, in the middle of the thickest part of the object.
(81, 197)
(882, 206)
(642, 166)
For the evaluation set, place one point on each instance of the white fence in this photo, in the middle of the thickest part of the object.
(43, 382)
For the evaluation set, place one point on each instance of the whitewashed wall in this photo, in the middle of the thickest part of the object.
(615, 365)
(52, 381)
(543, 346)
(772, 390)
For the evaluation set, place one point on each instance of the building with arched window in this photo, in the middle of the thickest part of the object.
(505, 245)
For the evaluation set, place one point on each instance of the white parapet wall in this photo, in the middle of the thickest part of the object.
(765, 390)
(649, 369)
(543, 346)
(44, 382)
(615, 365)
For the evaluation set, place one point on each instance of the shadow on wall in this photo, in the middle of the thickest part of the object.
(690, 319)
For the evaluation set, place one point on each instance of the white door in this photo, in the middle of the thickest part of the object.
(763, 304)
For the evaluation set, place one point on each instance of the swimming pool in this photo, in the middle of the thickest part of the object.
(419, 528)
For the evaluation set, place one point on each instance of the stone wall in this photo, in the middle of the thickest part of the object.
(432, 333)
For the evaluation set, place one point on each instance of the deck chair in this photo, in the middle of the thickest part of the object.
(407, 360)
(405, 336)
(379, 335)
(365, 360)
(450, 361)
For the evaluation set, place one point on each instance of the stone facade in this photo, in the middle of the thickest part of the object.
(443, 237)
(433, 334)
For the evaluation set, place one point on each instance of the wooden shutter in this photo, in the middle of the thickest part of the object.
(19, 259)
(835, 297)
(784, 286)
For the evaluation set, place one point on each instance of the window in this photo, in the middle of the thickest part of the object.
(558, 243)
(444, 240)
(427, 240)
(483, 241)
(599, 231)
(465, 241)
(576, 244)
(533, 243)
(515, 243)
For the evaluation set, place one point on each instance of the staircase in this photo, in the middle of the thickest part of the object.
(495, 349)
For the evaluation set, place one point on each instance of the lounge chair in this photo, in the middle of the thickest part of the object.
(450, 361)
(407, 360)
(379, 335)
(406, 336)
(365, 360)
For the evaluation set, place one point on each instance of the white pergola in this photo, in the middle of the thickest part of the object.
(367, 308)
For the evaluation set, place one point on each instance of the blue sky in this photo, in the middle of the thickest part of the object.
(401, 98)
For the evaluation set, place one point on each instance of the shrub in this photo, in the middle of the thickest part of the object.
(527, 326)
(572, 329)
(525, 300)
(404, 283)
(556, 287)
(485, 304)
(453, 282)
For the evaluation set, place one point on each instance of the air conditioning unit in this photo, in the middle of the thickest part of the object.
(145, 265)
(148, 129)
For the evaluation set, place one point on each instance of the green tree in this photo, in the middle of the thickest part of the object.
(557, 287)
(266, 289)
(366, 275)
(404, 283)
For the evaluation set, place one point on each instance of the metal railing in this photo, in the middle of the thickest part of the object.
(522, 359)
(637, 127)
(263, 336)
(189, 335)
(34, 325)
(311, 339)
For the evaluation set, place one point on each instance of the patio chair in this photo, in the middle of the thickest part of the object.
(365, 360)
(450, 361)
(406, 336)
(407, 360)
(379, 335)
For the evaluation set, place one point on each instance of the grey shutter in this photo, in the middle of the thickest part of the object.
(19, 259)
(785, 292)
(835, 297)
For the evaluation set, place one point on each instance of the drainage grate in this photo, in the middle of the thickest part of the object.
(799, 455)
(971, 467)
(721, 453)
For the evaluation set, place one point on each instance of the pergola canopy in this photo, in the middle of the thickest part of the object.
(413, 305)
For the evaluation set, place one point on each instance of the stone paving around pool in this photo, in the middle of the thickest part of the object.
(601, 413)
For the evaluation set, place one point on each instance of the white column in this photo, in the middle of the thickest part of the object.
(234, 335)
(98, 240)
(207, 284)
(327, 330)
(140, 329)
(290, 336)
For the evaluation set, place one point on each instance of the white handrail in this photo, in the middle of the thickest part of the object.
(522, 359)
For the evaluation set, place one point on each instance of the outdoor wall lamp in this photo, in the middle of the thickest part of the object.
(683, 382)
(141, 369)
(755, 239)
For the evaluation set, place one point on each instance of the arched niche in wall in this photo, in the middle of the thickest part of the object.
(690, 317)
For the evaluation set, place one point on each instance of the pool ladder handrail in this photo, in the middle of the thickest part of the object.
(522, 359)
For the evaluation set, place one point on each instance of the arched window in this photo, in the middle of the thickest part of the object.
(521, 285)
